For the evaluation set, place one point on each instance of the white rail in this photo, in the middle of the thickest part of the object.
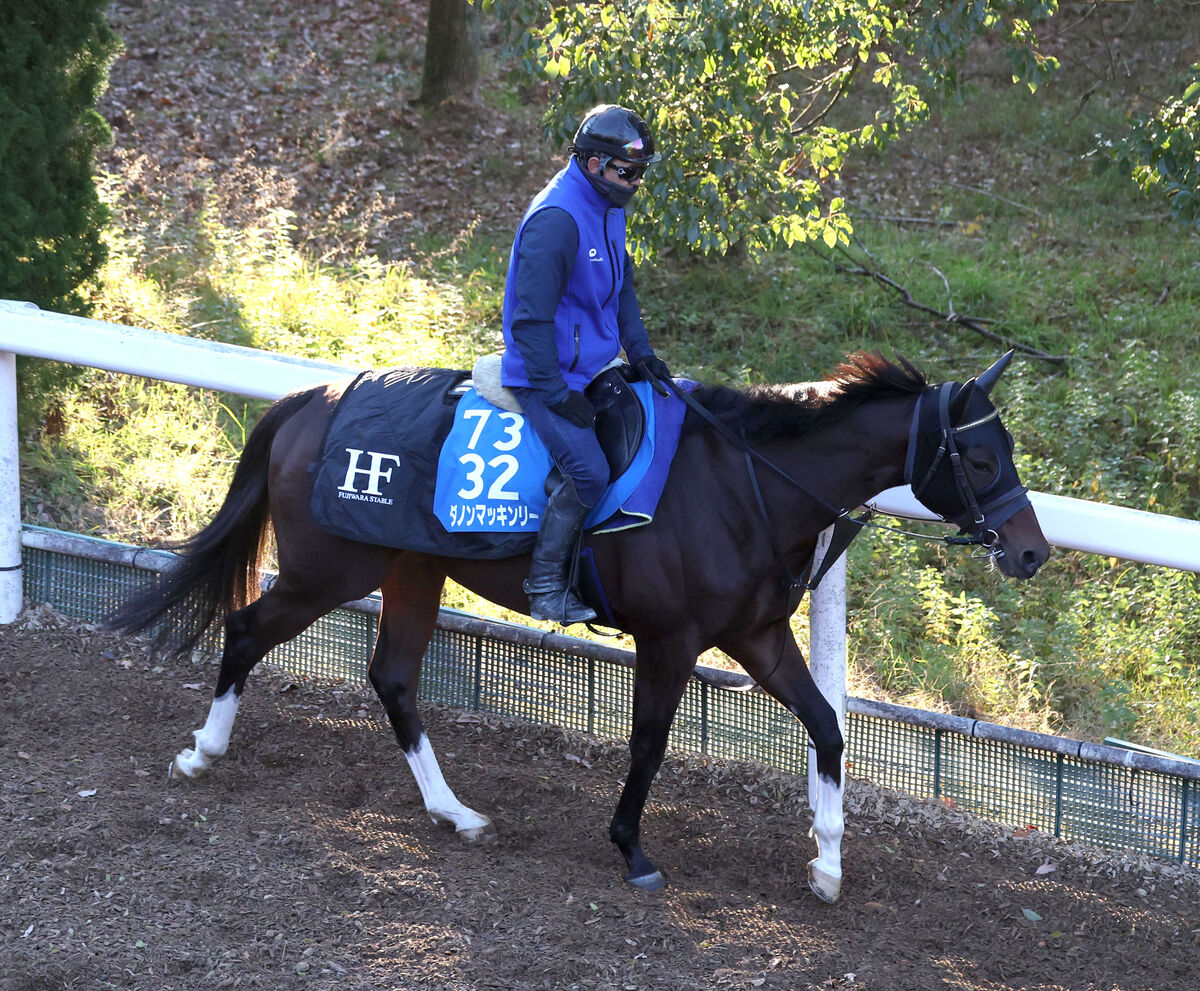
(1094, 527)
(1074, 524)
(208, 364)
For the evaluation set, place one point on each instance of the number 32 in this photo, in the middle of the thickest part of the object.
(506, 462)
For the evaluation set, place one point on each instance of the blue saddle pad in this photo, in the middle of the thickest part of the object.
(405, 463)
(493, 468)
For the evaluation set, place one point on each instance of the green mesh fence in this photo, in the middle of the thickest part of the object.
(77, 586)
(1108, 805)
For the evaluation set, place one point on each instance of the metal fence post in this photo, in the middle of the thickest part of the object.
(1183, 822)
(827, 646)
(10, 492)
(477, 689)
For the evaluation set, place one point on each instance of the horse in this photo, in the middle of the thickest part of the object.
(756, 476)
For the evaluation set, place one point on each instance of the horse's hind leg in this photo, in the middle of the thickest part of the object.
(411, 596)
(283, 612)
(249, 634)
(212, 739)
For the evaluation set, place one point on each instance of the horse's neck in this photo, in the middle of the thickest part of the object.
(853, 458)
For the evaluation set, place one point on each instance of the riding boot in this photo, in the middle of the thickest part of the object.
(550, 597)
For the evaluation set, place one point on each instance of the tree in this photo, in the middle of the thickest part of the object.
(451, 52)
(751, 94)
(53, 66)
(1162, 151)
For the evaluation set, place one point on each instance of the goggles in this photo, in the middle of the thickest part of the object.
(628, 173)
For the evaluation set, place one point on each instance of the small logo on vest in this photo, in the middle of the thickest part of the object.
(594, 255)
(375, 473)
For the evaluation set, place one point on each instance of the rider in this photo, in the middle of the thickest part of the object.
(569, 308)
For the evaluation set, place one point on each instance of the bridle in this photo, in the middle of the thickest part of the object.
(950, 494)
(933, 456)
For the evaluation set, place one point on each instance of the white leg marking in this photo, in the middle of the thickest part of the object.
(829, 823)
(440, 802)
(212, 740)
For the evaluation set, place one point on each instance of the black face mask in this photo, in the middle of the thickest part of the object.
(615, 193)
(929, 467)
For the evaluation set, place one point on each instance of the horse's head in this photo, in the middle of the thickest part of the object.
(960, 466)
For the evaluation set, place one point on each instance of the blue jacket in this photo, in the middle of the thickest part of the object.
(569, 300)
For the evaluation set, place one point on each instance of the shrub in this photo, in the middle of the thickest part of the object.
(53, 67)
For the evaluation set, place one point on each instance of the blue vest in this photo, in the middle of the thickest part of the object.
(585, 322)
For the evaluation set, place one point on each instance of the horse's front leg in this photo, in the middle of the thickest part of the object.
(410, 606)
(663, 669)
(771, 657)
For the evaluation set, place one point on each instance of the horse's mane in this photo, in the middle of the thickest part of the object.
(764, 412)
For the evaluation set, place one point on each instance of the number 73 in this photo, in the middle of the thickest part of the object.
(506, 462)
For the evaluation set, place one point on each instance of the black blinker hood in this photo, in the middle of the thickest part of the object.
(935, 473)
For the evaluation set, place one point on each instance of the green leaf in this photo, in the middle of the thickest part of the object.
(716, 78)
(1031, 915)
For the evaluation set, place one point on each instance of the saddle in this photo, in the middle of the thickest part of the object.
(620, 418)
(406, 464)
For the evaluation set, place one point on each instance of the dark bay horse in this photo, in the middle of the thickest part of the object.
(755, 479)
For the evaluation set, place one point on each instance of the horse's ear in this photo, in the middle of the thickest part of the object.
(989, 378)
(959, 404)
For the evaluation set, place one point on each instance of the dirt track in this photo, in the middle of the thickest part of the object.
(306, 860)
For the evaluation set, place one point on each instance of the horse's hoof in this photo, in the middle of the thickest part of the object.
(477, 834)
(825, 886)
(648, 882)
(188, 765)
(470, 826)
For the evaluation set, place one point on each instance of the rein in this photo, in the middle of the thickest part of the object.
(845, 526)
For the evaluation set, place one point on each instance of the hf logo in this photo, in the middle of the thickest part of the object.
(374, 475)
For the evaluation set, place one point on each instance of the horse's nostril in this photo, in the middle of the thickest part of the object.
(1031, 560)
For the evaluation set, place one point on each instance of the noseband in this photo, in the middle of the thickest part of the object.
(934, 458)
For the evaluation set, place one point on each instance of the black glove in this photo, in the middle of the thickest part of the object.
(652, 369)
(575, 408)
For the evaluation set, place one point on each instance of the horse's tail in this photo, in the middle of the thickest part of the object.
(217, 570)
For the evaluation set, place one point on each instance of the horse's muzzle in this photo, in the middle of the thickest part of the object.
(1020, 548)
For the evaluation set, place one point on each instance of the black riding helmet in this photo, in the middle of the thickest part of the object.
(614, 132)
(607, 132)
